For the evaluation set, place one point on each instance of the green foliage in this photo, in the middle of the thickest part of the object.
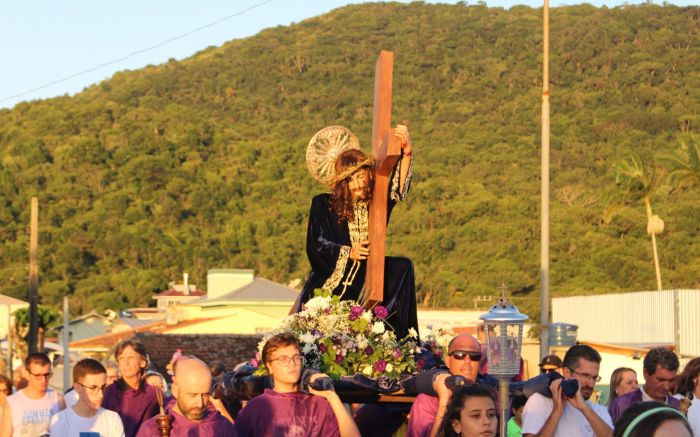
(199, 164)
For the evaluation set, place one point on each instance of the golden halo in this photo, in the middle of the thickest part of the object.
(324, 148)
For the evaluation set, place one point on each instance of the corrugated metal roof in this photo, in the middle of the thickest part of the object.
(633, 318)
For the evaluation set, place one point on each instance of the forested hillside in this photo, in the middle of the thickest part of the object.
(199, 164)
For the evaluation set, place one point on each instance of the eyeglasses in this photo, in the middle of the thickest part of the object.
(95, 389)
(460, 355)
(593, 378)
(284, 361)
(47, 376)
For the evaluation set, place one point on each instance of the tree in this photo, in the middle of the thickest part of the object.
(684, 172)
(638, 181)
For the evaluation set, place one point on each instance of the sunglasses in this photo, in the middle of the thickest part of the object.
(548, 370)
(460, 355)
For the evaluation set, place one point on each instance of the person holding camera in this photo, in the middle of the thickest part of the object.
(463, 359)
(284, 409)
(569, 412)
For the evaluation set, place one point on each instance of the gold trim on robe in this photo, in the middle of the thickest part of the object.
(334, 279)
(395, 194)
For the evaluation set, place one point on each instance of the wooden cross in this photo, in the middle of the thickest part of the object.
(386, 150)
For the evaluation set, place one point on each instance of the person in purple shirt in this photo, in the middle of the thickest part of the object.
(130, 396)
(660, 367)
(284, 411)
(191, 413)
(463, 358)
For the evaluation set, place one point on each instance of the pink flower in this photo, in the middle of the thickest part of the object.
(420, 363)
(381, 312)
(322, 348)
(254, 362)
(380, 366)
(397, 353)
(338, 359)
(355, 312)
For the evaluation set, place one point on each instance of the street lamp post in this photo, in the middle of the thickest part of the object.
(503, 326)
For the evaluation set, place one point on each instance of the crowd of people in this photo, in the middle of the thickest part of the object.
(131, 400)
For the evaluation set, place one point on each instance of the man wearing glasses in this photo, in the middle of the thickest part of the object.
(87, 417)
(563, 416)
(463, 359)
(284, 410)
(28, 412)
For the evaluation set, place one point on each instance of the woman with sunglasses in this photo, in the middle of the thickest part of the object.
(284, 410)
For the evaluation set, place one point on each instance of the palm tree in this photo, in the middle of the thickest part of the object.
(638, 181)
(684, 165)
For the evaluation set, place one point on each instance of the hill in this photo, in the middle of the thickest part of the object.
(200, 164)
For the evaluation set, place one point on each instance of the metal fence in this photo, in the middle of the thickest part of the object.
(637, 318)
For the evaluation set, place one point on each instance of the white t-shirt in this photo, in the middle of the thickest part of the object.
(572, 422)
(104, 423)
(31, 417)
(71, 398)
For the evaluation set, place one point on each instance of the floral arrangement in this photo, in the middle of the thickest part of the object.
(342, 338)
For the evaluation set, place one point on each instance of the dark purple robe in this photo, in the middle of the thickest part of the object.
(213, 425)
(620, 404)
(133, 406)
(275, 414)
(328, 245)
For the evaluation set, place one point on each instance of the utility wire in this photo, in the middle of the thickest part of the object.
(137, 52)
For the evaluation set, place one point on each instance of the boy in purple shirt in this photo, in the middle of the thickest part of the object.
(130, 396)
(284, 410)
(190, 412)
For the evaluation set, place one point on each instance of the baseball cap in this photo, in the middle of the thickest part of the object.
(550, 362)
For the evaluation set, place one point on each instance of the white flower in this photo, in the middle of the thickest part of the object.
(389, 367)
(368, 370)
(306, 337)
(318, 304)
(386, 336)
(378, 328)
(362, 342)
(367, 316)
(308, 347)
(412, 333)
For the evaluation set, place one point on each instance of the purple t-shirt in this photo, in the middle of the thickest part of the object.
(296, 414)
(213, 425)
(422, 416)
(133, 406)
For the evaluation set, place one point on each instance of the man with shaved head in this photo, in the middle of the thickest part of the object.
(191, 415)
(463, 359)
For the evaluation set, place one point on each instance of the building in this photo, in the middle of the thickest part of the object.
(178, 294)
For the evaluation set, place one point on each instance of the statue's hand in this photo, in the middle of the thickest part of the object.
(360, 251)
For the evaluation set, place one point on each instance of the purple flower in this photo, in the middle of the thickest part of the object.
(380, 366)
(381, 312)
(369, 350)
(338, 359)
(355, 312)
(322, 348)
(420, 363)
(397, 353)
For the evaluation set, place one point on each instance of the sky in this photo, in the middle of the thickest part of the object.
(51, 48)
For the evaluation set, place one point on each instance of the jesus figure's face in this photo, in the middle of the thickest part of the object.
(358, 184)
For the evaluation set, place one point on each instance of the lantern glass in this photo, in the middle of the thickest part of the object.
(503, 341)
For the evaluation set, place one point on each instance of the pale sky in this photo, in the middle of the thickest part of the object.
(46, 41)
